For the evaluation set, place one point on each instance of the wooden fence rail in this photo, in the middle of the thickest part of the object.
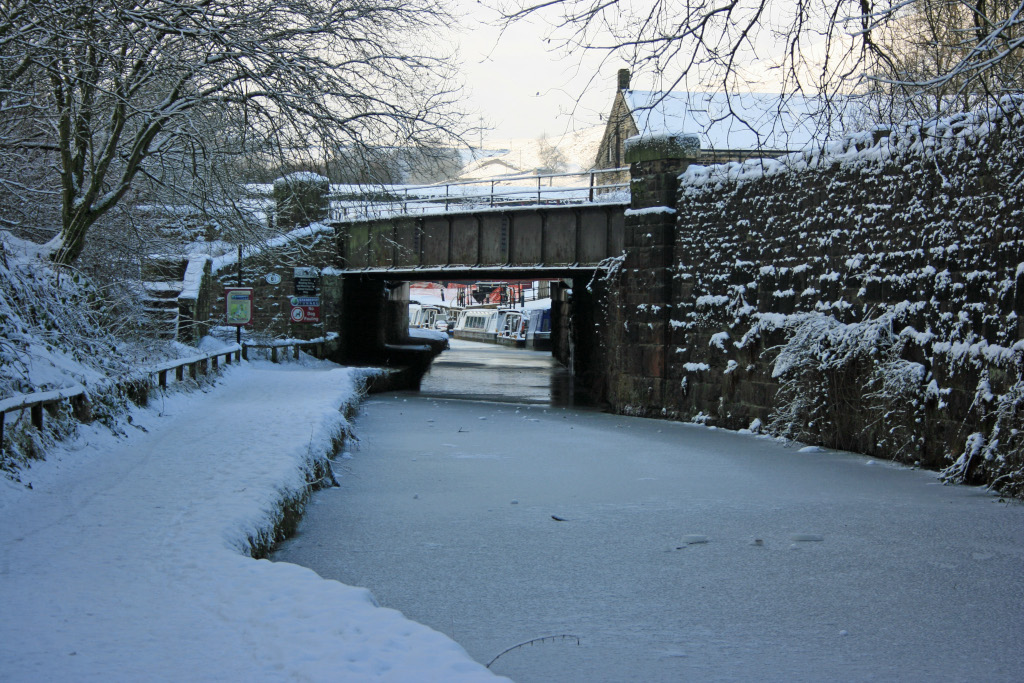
(288, 347)
(78, 395)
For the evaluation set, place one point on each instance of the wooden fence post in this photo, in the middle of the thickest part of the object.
(81, 409)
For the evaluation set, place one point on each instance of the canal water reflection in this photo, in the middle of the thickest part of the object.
(489, 372)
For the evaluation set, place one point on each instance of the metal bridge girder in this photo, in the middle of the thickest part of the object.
(577, 236)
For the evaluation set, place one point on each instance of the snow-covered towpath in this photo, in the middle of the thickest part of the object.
(125, 561)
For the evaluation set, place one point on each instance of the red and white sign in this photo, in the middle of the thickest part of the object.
(305, 309)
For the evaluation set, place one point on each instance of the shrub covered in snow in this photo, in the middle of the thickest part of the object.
(55, 333)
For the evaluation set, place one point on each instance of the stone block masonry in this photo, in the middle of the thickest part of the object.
(314, 247)
(866, 297)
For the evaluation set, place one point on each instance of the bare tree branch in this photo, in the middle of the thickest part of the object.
(118, 96)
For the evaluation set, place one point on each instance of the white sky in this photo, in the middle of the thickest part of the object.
(521, 89)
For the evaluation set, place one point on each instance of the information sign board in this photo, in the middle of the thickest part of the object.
(238, 306)
(307, 282)
(305, 309)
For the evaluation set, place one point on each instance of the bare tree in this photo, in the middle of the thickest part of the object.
(830, 49)
(929, 45)
(174, 100)
(551, 158)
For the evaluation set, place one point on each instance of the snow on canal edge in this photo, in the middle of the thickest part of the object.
(127, 558)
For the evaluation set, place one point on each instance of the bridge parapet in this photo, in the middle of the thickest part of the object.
(368, 202)
(531, 238)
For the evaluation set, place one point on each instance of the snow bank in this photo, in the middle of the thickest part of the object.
(126, 560)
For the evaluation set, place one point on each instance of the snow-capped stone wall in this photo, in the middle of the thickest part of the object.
(867, 297)
(269, 269)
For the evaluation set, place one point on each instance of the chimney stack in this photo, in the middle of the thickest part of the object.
(623, 79)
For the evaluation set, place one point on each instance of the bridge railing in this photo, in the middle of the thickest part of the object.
(510, 190)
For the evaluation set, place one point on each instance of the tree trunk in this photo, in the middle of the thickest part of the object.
(71, 239)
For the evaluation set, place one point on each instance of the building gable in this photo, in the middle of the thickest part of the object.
(731, 127)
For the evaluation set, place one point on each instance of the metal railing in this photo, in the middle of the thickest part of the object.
(510, 190)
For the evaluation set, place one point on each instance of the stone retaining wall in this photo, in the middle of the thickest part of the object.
(866, 298)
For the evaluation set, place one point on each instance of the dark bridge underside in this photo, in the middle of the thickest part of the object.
(550, 241)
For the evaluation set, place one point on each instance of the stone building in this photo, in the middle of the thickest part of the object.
(731, 127)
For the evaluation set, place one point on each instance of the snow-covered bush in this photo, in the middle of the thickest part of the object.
(849, 386)
(55, 332)
(830, 374)
(998, 456)
(50, 327)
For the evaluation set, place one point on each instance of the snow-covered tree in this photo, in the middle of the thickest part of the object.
(174, 100)
(926, 49)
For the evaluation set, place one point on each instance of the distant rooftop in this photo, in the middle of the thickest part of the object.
(730, 122)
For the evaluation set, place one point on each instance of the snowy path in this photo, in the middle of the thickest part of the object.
(125, 561)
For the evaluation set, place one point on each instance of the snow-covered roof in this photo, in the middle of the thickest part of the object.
(743, 121)
(488, 168)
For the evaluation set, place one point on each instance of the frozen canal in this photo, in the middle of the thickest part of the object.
(685, 553)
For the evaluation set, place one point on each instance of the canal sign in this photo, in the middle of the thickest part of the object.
(238, 306)
(305, 309)
(307, 282)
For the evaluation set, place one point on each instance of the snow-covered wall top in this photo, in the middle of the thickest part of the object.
(301, 177)
(867, 149)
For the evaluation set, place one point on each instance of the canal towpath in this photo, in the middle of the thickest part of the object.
(126, 559)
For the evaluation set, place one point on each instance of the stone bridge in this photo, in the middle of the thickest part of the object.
(364, 267)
